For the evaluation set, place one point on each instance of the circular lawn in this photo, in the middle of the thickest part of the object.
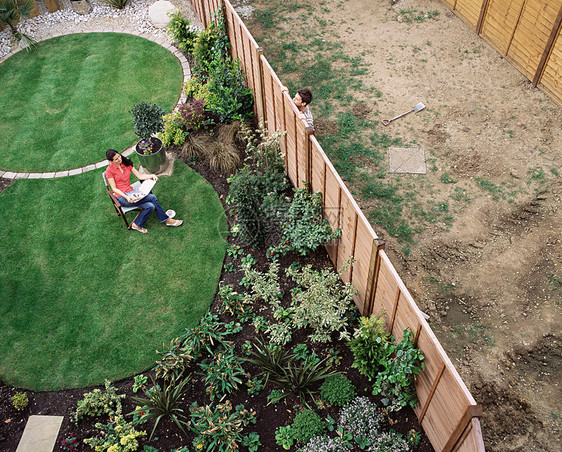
(68, 100)
(82, 298)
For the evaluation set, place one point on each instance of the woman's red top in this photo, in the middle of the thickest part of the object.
(122, 179)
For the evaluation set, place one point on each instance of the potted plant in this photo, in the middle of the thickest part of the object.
(147, 119)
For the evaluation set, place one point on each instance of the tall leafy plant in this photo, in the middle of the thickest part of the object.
(12, 12)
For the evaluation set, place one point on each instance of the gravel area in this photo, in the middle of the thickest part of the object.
(132, 18)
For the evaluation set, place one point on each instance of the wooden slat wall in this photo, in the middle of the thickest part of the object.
(500, 21)
(526, 32)
(447, 411)
(469, 11)
(532, 33)
(551, 80)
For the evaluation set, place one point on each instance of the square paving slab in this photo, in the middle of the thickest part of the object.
(406, 160)
(40, 434)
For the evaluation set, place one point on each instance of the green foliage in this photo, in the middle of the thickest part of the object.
(147, 119)
(181, 31)
(284, 437)
(304, 228)
(163, 401)
(206, 45)
(395, 382)
(99, 403)
(306, 425)
(235, 304)
(256, 191)
(119, 4)
(322, 302)
(205, 336)
(172, 131)
(11, 12)
(251, 441)
(20, 401)
(176, 358)
(116, 436)
(219, 429)
(275, 396)
(369, 345)
(140, 382)
(255, 385)
(338, 390)
(223, 373)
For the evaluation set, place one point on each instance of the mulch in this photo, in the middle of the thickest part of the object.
(269, 418)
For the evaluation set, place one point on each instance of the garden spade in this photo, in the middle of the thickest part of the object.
(415, 109)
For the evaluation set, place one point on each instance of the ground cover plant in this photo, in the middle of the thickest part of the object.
(87, 299)
(69, 98)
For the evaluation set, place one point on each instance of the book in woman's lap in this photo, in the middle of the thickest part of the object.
(143, 190)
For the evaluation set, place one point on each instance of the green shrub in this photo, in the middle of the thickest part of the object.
(306, 425)
(205, 47)
(20, 401)
(173, 131)
(147, 119)
(162, 401)
(205, 337)
(181, 31)
(321, 302)
(116, 436)
(396, 382)
(223, 374)
(219, 429)
(370, 345)
(304, 228)
(338, 390)
(175, 360)
(98, 403)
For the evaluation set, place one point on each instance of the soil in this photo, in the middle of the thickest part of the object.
(167, 435)
(491, 283)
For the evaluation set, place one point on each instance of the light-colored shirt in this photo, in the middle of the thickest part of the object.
(308, 116)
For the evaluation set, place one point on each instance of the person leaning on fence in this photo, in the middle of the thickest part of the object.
(301, 100)
(118, 176)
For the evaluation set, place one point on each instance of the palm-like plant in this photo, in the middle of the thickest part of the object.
(162, 401)
(11, 12)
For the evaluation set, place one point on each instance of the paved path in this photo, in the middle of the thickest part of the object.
(164, 42)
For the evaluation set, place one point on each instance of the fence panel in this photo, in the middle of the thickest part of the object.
(551, 80)
(500, 21)
(469, 11)
(532, 33)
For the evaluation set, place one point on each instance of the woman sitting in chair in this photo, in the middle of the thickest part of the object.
(118, 175)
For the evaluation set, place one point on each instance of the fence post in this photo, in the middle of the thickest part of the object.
(548, 48)
(308, 158)
(373, 276)
(259, 88)
(470, 412)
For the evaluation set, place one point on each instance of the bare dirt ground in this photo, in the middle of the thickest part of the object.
(491, 282)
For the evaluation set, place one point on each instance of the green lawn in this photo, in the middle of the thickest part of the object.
(67, 101)
(82, 298)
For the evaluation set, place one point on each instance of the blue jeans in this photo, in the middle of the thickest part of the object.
(148, 204)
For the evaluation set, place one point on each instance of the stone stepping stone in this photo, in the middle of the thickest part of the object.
(406, 160)
(40, 434)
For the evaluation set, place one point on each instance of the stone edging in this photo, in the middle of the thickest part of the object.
(158, 40)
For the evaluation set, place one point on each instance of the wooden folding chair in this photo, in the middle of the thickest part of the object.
(121, 211)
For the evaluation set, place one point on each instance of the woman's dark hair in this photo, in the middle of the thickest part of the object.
(111, 153)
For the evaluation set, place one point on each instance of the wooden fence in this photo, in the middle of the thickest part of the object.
(526, 32)
(447, 412)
